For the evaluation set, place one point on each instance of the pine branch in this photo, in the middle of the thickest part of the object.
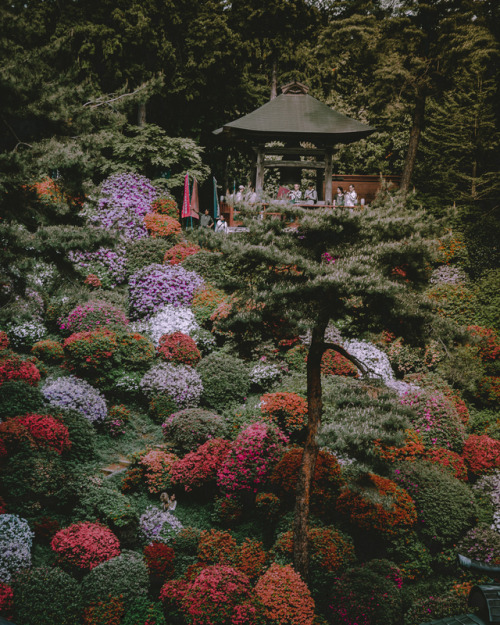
(101, 101)
(19, 142)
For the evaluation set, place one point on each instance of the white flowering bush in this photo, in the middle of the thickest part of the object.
(128, 383)
(72, 392)
(16, 540)
(25, 334)
(158, 525)
(42, 276)
(264, 375)
(167, 320)
(373, 358)
(489, 486)
(181, 383)
(205, 341)
(447, 274)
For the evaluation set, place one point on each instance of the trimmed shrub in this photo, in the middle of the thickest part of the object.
(136, 351)
(225, 380)
(85, 545)
(167, 320)
(13, 367)
(157, 470)
(205, 302)
(179, 349)
(187, 429)
(216, 547)
(93, 315)
(182, 384)
(47, 431)
(334, 363)
(107, 505)
(91, 352)
(46, 596)
(18, 398)
(159, 559)
(454, 301)
(199, 468)
(166, 205)
(446, 507)
(377, 504)
(143, 252)
(107, 612)
(251, 558)
(75, 394)
(81, 434)
(16, 539)
(179, 252)
(285, 597)
(482, 454)
(48, 351)
(449, 460)
(286, 410)
(125, 575)
(253, 456)
(144, 612)
(162, 226)
(161, 407)
(159, 525)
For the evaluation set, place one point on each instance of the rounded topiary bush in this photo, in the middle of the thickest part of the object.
(17, 398)
(136, 351)
(93, 315)
(156, 466)
(143, 611)
(81, 434)
(446, 507)
(85, 545)
(125, 575)
(75, 394)
(179, 252)
(91, 353)
(46, 596)
(162, 226)
(179, 349)
(143, 252)
(46, 431)
(181, 383)
(205, 302)
(482, 454)
(13, 367)
(187, 429)
(287, 410)
(225, 379)
(285, 597)
(16, 539)
(48, 351)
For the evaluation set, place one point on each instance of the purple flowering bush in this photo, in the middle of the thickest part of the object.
(181, 383)
(71, 392)
(124, 200)
(158, 525)
(153, 286)
(481, 543)
(110, 266)
(16, 539)
(93, 315)
(167, 320)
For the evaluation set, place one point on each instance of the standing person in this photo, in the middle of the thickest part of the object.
(338, 200)
(221, 224)
(296, 194)
(311, 195)
(206, 220)
(239, 197)
(251, 196)
(351, 197)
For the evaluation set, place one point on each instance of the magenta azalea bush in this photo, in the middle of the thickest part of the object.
(153, 286)
(254, 454)
(93, 315)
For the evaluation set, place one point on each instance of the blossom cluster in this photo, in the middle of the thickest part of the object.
(157, 467)
(161, 225)
(153, 286)
(159, 559)
(287, 410)
(16, 539)
(264, 375)
(179, 252)
(85, 545)
(158, 525)
(198, 468)
(179, 349)
(12, 367)
(48, 351)
(91, 350)
(107, 266)
(167, 320)
(206, 301)
(47, 430)
(181, 383)
(93, 315)
(482, 454)
(71, 392)
(26, 333)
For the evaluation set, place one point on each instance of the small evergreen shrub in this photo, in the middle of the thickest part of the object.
(143, 252)
(81, 434)
(187, 429)
(143, 611)
(135, 351)
(225, 380)
(161, 407)
(179, 349)
(18, 398)
(107, 505)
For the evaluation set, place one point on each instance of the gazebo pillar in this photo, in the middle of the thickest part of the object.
(259, 172)
(328, 176)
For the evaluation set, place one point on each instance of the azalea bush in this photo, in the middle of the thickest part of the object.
(199, 468)
(186, 429)
(287, 410)
(162, 226)
(107, 612)
(93, 315)
(333, 363)
(159, 559)
(17, 398)
(158, 525)
(165, 205)
(154, 286)
(216, 547)
(135, 351)
(6, 601)
(143, 611)
(26, 333)
(254, 454)
(47, 431)
(377, 504)
(285, 597)
(13, 367)
(48, 351)
(167, 320)
(179, 349)
(105, 267)
(102, 502)
(205, 302)
(71, 392)
(91, 352)
(179, 252)
(481, 543)
(181, 383)
(225, 379)
(157, 470)
(16, 540)
(482, 454)
(85, 545)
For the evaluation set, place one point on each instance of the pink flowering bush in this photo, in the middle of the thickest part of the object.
(285, 597)
(253, 456)
(199, 468)
(47, 431)
(93, 315)
(157, 467)
(85, 545)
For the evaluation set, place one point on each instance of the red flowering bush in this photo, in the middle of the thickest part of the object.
(268, 504)
(91, 351)
(12, 367)
(285, 597)
(205, 302)
(47, 431)
(180, 252)
(378, 504)
(179, 349)
(4, 341)
(287, 410)
(412, 449)
(199, 468)
(85, 545)
(327, 480)
(448, 459)
(48, 351)
(334, 363)
(482, 454)
(156, 466)
(93, 315)
(93, 280)
(107, 612)
(13, 437)
(159, 559)
(6, 601)
(166, 206)
(136, 351)
(161, 225)
(488, 341)
(251, 558)
(253, 456)
(216, 547)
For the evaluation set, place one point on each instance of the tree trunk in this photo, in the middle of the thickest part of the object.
(274, 82)
(416, 131)
(141, 114)
(306, 471)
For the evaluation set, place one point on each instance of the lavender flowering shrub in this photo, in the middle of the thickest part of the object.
(16, 539)
(108, 265)
(153, 286)
(167, 320)
(181, 383)
(71, 392)
(124, 200)
(91, 316)
(158, 525)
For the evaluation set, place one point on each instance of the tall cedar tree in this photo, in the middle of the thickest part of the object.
(380, 253)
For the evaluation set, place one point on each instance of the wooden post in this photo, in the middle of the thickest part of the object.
(328, 176)
(259, 173)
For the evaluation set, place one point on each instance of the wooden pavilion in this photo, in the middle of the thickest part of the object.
(294, 118)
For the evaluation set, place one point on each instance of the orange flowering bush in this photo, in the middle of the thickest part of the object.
(91, 351)
(285, 597)
(85, 545)
(107, 612)
(251, 558)
(334, 363)
(489, 342)
(216, 547)
(451, 249)
(412, 449)
(180, 252)
(206, 300)
(287, 410)
(179, 348)
(93, 281)
(165, 206)
(48, 351)
(378, 504)
(268, 504)
(482, 454)
(448, 459)
(161, 225)
(327, 480)
(157, 465)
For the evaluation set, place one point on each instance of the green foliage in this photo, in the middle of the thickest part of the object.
(144, 252)
(18, 398)
(102, 502)
(488, 296)
(45, 596)
(81, 434)
(209, 265)
(142, 611)
(187, 429)
(225, 380)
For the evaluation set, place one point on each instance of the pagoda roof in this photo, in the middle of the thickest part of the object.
(295, 115)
